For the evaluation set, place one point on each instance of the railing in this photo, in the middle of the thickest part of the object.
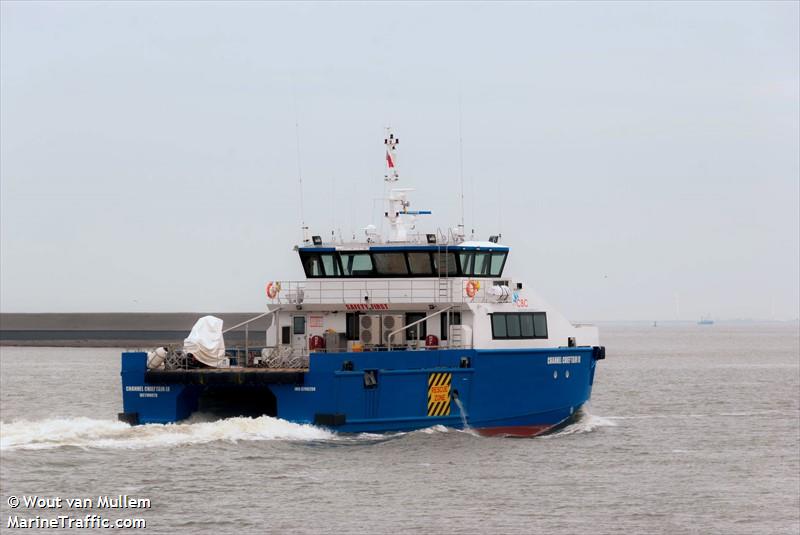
(251, 320)
(285, 356)
(366, 292)
(246, 325)
(281, 356)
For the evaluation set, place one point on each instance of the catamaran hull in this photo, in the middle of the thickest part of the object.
(512, 392)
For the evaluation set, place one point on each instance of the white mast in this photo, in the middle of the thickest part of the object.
(391, 143)
(401, 219)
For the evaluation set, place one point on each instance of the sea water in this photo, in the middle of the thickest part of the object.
(690, 430)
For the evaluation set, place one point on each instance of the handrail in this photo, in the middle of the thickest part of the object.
(389, 290)
(389, 336)
(242, 324)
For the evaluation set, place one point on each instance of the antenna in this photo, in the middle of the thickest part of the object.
(461, 162)
(303, 227)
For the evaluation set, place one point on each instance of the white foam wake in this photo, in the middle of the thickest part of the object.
(90, 433)
(586, 423)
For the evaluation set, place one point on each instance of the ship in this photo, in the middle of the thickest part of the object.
(705, 320)
(386, 333)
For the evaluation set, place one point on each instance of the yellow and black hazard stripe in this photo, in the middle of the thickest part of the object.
(439, 397)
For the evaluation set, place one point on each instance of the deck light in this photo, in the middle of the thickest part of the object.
(431, 238)
(317, 240)
(494, 238)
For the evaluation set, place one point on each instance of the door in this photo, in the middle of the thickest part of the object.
(299, 337)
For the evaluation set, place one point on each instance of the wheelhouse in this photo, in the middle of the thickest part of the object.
(406, 262)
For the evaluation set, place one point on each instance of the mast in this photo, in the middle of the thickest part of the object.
(391, 143)
(401, 219)
(303, 227)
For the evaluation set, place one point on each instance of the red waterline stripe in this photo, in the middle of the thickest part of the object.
(514, 430)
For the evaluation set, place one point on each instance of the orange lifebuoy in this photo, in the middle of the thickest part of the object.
(472, 288)
(273, 289)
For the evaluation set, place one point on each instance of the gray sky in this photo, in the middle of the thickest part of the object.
(630, 153)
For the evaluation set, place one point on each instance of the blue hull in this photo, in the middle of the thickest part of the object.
(515, 392)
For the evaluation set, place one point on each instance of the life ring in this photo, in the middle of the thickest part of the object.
(472, 288)
(273, 289)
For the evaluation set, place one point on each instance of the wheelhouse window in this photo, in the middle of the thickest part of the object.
(497, 263)
(519, 325)
(390, 263)
(448, 264)
(420, 263)
(356, 264)
(312, 265)
(466, 260)
(483, 262)
(330, 262)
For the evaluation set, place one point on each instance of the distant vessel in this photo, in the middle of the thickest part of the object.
(385, 334)
(705, 320)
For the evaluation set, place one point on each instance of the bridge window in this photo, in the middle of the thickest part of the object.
(466, 259)
(331, 264)
(482, 264)
(448, 264)
(356, 264)
(420, 263)
(390, 263)
(498, 259)
(414, 263)
(519, 325)
(312, 265)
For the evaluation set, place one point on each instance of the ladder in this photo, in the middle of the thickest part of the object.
(444, 289)
(456, 339)
(443, 283)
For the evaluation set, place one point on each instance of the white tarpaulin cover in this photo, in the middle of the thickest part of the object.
(205, 342)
